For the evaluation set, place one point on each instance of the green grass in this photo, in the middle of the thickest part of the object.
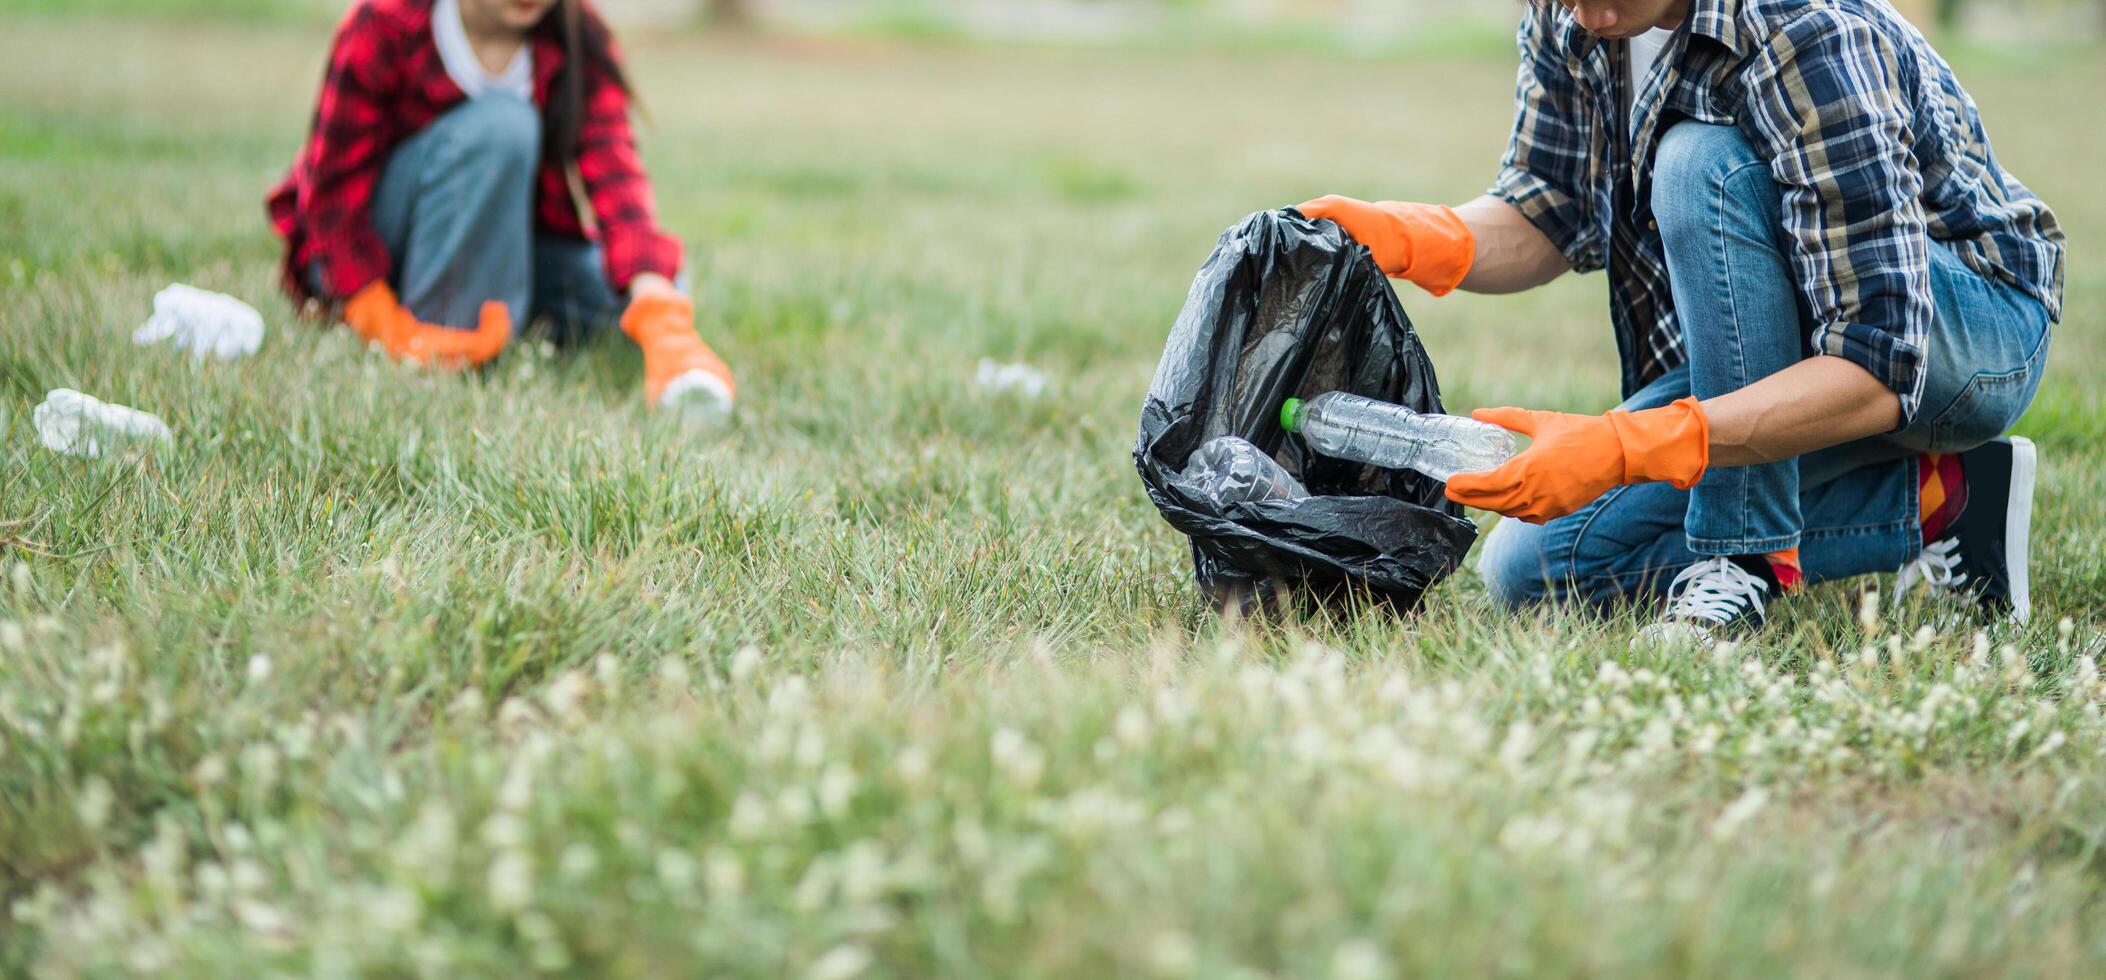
(377, 671)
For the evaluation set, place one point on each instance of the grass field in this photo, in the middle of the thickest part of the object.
(381, 672)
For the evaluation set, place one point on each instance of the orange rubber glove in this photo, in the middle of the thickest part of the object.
(1576, 458)
(1427, 244)
(374, 313)
(663, 324)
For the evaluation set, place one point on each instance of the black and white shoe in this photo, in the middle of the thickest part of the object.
(1712, 600)
(1985, 554)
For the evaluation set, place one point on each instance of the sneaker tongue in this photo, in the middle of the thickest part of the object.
(1761, 568)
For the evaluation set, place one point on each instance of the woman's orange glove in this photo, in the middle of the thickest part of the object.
(1576, 458)
(374, 313)
(1425, 243)
(680, 371)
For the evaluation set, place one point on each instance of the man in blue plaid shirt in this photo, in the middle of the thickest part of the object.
(1830, 298)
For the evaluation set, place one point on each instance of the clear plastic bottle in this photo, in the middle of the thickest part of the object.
(1228, 470)
(1349, 426)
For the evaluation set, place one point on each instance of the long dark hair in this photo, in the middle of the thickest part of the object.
(588, 51)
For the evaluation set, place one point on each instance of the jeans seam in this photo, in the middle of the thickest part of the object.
(1599, 507)
(1742, 486)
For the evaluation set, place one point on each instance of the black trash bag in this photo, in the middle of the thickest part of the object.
(1287, 307)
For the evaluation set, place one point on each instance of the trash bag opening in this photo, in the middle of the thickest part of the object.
(1287, 307)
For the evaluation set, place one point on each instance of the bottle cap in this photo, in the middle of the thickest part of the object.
(1288, 411)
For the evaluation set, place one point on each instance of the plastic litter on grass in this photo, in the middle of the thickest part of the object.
(205, 323)
(75, 424)
(1020, 379)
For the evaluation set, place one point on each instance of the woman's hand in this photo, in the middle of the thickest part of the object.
(651, 284)
(375, 314)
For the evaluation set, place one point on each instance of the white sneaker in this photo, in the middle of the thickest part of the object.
(1709, 601)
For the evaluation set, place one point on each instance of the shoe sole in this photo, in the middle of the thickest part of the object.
(2018, 526)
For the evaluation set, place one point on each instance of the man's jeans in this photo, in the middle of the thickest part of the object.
(455, 209)
(1850, 509)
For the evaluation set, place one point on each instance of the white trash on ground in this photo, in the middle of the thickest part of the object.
(205, 323)
(82, 425)
(1023, 379)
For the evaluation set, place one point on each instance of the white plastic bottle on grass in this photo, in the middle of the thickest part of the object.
(205, 323)
(82, 425)
(1349, 426)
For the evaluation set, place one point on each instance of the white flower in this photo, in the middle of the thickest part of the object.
(392, 910)
(259, 669)
(578, 861)
(504, 829)
(511, 881)
(1131, 727)
(1739, 812)
(840, 963)
(837, 788)
(1016, 757)
(518, 788)
(1171, 954)
(749, 816)
(1868, 613)
(95, 802)
(566, 694)
(1359, 959)
(744, 664)
(676, 869)
(11, 635)
(912, 766)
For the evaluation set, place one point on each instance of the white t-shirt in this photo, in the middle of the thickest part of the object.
(465, 69)
(1645, 53)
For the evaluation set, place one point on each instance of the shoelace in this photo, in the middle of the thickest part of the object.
(1937, 566)
(1714, 591)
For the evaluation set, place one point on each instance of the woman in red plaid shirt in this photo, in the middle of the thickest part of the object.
(471, 166)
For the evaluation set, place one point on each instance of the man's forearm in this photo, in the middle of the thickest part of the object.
(1512, 253)
(1814, 404)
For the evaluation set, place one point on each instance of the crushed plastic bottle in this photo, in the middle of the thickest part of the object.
(205, 323)
(1347, 426)
(82, 425)
(1228, 470)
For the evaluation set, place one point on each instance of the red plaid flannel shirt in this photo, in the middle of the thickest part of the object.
(384, 84)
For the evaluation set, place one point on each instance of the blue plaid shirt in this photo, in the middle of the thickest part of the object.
(1878, 149)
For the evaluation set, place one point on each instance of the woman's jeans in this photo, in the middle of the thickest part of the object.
(1850, 509)
(455, 209)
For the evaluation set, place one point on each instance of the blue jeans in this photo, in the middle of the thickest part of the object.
(1849, 509)
(455, 209)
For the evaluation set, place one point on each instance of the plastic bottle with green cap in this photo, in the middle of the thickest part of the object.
(1348, 426)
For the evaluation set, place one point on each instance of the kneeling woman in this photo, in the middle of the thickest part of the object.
(471, 166)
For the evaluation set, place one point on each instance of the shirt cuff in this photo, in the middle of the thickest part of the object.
(1897, 363)
(632, 253)
(1556, 214)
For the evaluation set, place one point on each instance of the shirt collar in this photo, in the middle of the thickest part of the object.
(1715, 19)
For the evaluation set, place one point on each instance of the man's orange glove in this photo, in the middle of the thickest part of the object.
(374, 313)
(680, 371)
(1576, 458)
(1425, 243)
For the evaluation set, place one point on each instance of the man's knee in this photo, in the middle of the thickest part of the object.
(493, 134)
(1514, 565)
(1694, 168)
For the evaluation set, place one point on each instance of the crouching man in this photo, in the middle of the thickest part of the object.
(1830, 299)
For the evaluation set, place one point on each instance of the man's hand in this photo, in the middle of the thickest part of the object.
(1427, 244)
(375, 315)
(1576, 458)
